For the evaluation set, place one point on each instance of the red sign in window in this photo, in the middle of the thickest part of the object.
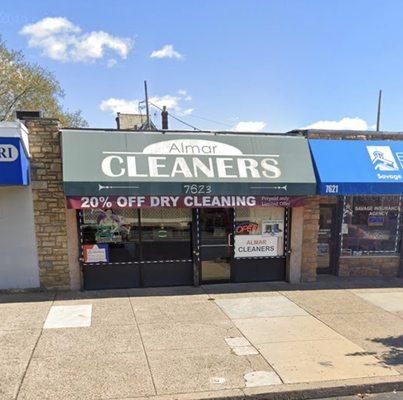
(247, 228)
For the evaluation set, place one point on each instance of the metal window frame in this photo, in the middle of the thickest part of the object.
(131, 262)
(396, 251)
(285, 239)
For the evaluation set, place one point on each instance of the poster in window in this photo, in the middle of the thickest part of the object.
(376, 220)
(255, 246)
(95, 253)
(111, 228)
(273, 227)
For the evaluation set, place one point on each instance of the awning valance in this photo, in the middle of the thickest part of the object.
(348, 167)
(152, 163)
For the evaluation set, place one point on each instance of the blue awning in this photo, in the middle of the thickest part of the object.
(14, 163)
(347, 167)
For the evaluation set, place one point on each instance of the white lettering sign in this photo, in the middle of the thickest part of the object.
(192, 147)
(8, 153)
(190, 158)
(255, 246)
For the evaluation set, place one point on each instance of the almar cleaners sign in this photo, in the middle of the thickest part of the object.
(190, 159)
(255, 246)
(151, 163)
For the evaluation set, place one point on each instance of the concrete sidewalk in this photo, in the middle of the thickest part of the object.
(272, 339)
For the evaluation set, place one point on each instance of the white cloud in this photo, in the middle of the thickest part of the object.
(166, 52)
(173, 103)
(61, 40)
(249, 126)
(188, 111)
(120, 105)
(354, 124)
(111, 63)
(50, 26)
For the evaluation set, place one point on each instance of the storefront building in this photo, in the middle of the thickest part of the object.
(113, 209)
(18, 254)
(157, 209)
(360, 181)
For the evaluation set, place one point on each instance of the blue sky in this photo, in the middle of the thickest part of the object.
(278, 64)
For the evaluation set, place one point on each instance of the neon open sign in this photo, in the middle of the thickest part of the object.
(247, 227)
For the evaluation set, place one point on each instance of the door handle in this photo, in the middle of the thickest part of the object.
(229, 240)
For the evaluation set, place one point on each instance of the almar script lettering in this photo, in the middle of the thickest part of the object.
(115, 166)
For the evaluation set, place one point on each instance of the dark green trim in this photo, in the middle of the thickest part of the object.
(177, 189)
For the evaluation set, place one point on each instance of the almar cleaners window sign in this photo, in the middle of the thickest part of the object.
(255, 246)
(259, 232)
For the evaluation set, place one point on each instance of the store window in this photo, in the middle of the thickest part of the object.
(259, 232)
(166, 233)
(370, 225)
(114, 236)
(110, 235)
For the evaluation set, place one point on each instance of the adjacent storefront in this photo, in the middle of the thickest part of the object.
(18, 253)
(360, 229)
(14, 161)
(160, 209)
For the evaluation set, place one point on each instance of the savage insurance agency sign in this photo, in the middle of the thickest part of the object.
(348, 167)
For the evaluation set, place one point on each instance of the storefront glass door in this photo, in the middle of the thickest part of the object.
(216, 226)
(326, 240)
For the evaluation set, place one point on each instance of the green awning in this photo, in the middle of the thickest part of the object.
(154, 163)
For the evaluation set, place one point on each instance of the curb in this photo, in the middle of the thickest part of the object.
(301, 391)
(335, 391)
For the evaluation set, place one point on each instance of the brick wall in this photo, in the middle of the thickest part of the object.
(375, 266)
(49, 203)
(309, 262)
(347, 135)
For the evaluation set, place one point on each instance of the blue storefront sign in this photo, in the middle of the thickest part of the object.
(354, 167)
(14, 163)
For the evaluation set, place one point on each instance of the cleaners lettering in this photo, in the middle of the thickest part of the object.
(256, 246)
(186, 166)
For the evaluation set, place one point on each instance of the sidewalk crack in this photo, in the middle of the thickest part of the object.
(33, 351)
(143, 346)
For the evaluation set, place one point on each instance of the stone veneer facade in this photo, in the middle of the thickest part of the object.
(49, 203)
(309, 260)
(369, 267)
